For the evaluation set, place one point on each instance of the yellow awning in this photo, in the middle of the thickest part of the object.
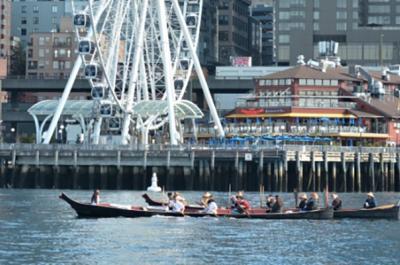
(292, 115)
(360, 135)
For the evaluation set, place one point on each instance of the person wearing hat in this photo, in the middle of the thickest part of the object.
(209, 203)
(303, 201)
(241, 205)
(178, 204)
(270, 202)
(95, 197)
(312, 202)
(204, 199)
(277, 207)
(336, 202)
(370, 201)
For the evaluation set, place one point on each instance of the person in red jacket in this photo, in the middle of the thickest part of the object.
(241, 205)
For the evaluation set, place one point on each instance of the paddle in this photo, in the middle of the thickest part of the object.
(326, 193)
(295, 198)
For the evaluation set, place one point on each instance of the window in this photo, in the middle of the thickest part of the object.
(341, 3)
(283, 15)
(316, 26)
(23, 9)
(284, 38)
(283, 53)
(318, 82)
(341, 15)
(54, 9)
(55, 65)
(23, 32)
(302, 82)
(316, 15)
(310, 82)
(378, 9)
(35, 20)
(326, 82)
(23, 20)
(41, 41)
(341, 26)
(355, 15)
(379, 20)
(334, 83)
(354, 52)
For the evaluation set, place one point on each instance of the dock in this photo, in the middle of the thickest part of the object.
(279, 168)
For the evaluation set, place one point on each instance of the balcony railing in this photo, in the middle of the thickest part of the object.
(290, 103)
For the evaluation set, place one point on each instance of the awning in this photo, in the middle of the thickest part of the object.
(72, 107)
(184, 109)
(292, 115)
(360, 135)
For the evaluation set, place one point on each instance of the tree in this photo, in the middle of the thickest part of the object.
(18, 61)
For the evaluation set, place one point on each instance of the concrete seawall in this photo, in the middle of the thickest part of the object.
(277, 168)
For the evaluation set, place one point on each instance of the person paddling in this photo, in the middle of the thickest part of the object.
(241, 205)
(278, 205)
(270, 202)
(178, 204)
(303, 201)
(336, 202)
(312, 202)
(370, 201)
(95, 197)
(209, 203)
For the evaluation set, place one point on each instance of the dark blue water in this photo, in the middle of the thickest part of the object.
(38, 228)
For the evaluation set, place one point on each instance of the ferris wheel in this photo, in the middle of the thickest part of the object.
(138, 57)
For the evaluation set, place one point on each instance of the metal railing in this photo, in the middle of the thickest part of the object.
(197, 147)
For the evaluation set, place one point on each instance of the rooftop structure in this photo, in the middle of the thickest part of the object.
(314, 102)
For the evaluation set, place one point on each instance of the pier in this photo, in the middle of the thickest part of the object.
(279, 168)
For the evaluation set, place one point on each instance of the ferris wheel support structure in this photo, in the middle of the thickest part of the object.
(67, 90)
(135, 72)
(199, 71)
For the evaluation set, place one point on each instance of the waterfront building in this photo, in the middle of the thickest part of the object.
(366, 30)
(51, 54)
(306, 104)
(265, 14)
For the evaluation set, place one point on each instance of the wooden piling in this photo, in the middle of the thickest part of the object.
(371, 174)
(334, 186)
(269, 177)
(382, 179)
(312, 172)
(326, 171)
(352, 177)
(276, 177)
(344, 171)
(318, 179)
(358, 173)
(299, 169)
(392, 174)
(285, 180)
(261, 169)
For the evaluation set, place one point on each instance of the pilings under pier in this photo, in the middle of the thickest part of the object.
(282, 169)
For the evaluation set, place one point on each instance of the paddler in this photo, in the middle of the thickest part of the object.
(370, 201)
(95, 197)
(312, 202)
(178, 204)
(336, 202)
(303, 201)
(209, 203)
(241, 204)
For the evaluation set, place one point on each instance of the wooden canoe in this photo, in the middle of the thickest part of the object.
(390, 211)
(113, 210)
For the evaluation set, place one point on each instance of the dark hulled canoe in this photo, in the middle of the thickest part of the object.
(111, 210)
(152, 202)
(391, 211)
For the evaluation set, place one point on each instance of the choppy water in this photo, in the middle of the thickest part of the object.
(38, 228)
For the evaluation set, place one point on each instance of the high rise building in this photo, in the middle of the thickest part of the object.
(264, 13)
(5, 36)
(233, 29)
(367, 30)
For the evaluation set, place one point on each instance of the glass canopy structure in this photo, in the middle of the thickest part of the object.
(83, 111)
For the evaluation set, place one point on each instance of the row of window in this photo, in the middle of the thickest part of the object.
(35, 9)
(302, 82)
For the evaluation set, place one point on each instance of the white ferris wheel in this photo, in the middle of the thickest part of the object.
(138, 56)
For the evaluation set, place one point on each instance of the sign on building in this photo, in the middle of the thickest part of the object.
(241, 61)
